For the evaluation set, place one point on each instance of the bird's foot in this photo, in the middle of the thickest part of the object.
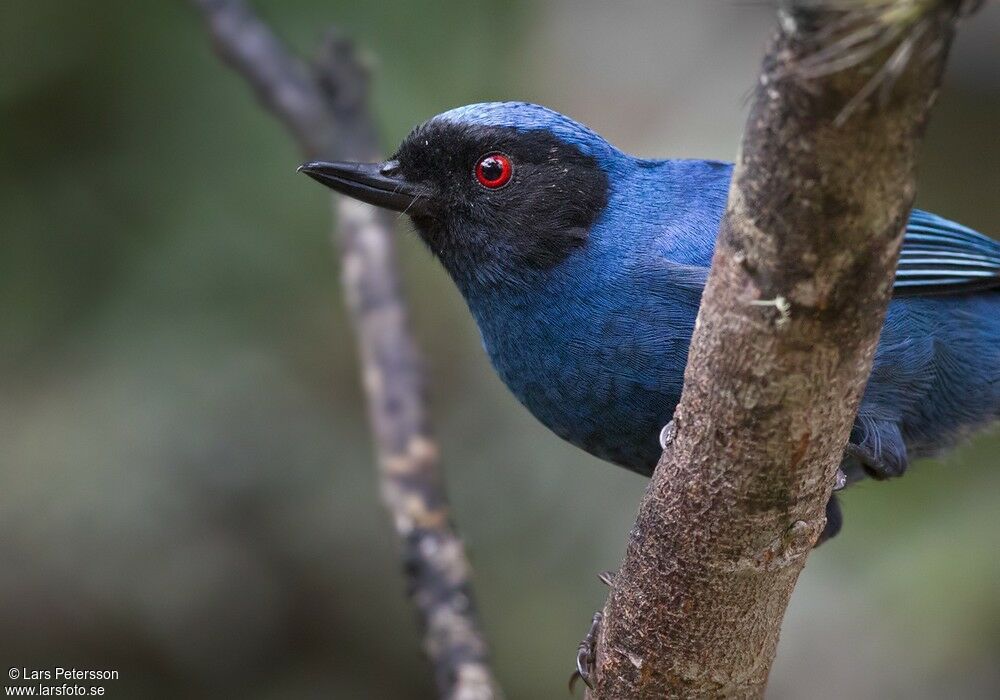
(585, 654)
(585, 657)
(840, 481)
(875, 467)
(667, 434)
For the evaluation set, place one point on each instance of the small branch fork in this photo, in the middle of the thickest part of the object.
(324, 106)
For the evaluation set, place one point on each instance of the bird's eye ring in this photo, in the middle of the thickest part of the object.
(494, 170)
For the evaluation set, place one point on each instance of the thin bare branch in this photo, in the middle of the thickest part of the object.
(283, 83)
(324, 105)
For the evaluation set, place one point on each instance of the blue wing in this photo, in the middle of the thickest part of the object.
(942, 257)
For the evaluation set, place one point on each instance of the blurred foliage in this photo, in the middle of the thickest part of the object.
(186, 490)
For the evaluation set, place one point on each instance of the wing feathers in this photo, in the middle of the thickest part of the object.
(942, 257)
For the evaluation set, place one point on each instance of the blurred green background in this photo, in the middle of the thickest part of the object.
(186, 482)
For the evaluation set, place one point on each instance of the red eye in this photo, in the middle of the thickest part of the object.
(494, 170)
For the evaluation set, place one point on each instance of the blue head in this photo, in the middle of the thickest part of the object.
(501, 192)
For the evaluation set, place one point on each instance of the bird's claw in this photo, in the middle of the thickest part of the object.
(667, 434)
(877, 467)
(840, 481)
(585, 654)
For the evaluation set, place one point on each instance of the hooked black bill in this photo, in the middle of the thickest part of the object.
(379, 184)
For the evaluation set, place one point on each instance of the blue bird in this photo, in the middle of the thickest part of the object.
(584, 267)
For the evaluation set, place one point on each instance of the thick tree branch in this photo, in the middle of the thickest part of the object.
(789, 321)
(324, 105)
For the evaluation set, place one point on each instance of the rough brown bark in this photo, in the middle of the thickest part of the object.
(781, 352)
(324, 106)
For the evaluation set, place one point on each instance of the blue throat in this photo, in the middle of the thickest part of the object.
(596, 347)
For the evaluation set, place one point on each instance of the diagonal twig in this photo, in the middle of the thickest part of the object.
(324, 105)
